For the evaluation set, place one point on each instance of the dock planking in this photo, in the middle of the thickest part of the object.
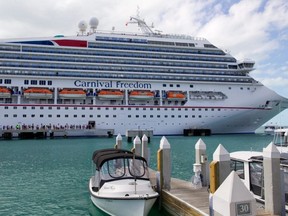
(183, 199)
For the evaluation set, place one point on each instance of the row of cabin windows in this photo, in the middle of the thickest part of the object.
(99, 116)
(121, 108)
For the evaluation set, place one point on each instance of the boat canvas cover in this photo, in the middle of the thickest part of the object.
(101, 156)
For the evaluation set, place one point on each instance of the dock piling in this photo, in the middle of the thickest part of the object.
(137, 145)
(201, 158)
(164, 164)
(118, 142)
(273, 184)
(145, 148)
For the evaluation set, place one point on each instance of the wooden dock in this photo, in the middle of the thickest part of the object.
(183, 199)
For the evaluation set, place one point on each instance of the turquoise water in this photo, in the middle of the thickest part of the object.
(50, 176)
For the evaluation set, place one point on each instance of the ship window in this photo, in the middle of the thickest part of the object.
(14, 107)
(33, 115)
(90, 116)
(151, 116)
(186, 116)
(106, 116)
(191, 86)
(144, 116)
(49, 108)
(15, 115)
(41, 116)
(114, 108)
(24, 115)
(206, 109)
(33, 108)
(49, 82)
(98, 108)
(24, 107)
(158, 116)
(179, 116)
(121, 108)
(151, 108)
(166, 116)
(26, 82)
(58, 116)
(172, 108)
(158, 108)
(238, 167)
(50, 116)
(75, 108)
(6, 107)
(33, 82)
(129, 108)
(42, 82)
(137, 108)
(1, 81)
(66, 116)
(6, 115)
(129, 116)
(144, 108)
(7, 81)
(83, 108)
(66, 108)
(114, 116)
(75, 116)
(193, 116)
(41, 108)
(172, 116)
(178, 85)
(171, 85)
(98, 116)
(107, 108)
(164, 85)
(83, 116)
(199, 109)
(165, 108)
(58, 108)
(137, 116)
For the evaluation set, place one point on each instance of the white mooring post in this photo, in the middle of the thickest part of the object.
(145, 153)
(273, 182)
(118, 142)
(164, 163)
(222, 156)
(137, 145)
(201, 159)
(233, 198)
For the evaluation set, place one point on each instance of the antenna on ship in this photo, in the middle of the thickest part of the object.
(93, 24)
(141, 23)
(82, 26)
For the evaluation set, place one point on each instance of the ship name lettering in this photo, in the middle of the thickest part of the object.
(136, 85)
(94, 84)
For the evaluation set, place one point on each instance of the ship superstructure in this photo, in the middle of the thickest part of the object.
(166, 83)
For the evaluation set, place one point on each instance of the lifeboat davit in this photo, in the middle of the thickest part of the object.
(176, 95)
(110, 95)
(72, 94)
(38, 93)
(141, 95)
(5, 92)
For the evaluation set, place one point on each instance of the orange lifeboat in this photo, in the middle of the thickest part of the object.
(72, 94)
(141, 95)
(175, 95)
(110, 95)
(38, 93)
(5, 92)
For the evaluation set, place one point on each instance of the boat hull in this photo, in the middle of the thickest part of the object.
(119, 198)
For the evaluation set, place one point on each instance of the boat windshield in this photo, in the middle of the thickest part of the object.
(124, 168)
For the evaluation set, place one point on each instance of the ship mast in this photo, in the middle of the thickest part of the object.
(141, 23)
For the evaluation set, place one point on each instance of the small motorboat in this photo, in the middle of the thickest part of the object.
(72, 94)
(38, 93)
(141, 95)
(121, 184)
(110, 95)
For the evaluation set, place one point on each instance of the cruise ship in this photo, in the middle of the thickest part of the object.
(115, 80)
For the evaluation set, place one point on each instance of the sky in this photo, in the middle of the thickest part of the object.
(248, 29)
